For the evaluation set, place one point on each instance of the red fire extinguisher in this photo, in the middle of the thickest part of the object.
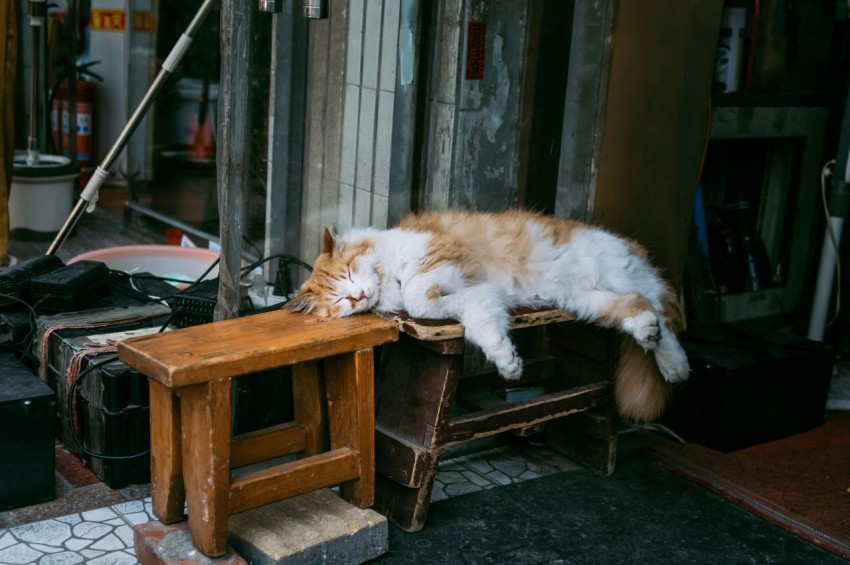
(60, 119)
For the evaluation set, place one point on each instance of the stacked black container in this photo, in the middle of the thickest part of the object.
(27, 453)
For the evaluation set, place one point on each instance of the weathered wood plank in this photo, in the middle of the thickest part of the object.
(205, 422)
(349, 381)
(166, 455)
(246, 345)
(415, 390)
(293, 478)
(400, 460)
(438, 330)
(589, 438)
(310, 406)
(233, 157)
(266, 444)
(406, 507)
(522, 414)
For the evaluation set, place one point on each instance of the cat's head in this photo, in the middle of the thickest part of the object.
(344, 280)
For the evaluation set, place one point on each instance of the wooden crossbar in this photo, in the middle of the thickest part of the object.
(266, 444)
(526, 413)
(295, 477)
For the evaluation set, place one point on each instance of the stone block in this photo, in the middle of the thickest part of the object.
(317, 527)
(160, 544)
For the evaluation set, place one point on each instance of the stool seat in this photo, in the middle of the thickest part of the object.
(192, 452)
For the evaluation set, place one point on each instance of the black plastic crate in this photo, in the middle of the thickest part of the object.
(749, 385)
(26, 436)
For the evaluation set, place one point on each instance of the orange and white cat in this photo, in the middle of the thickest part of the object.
(474, 267)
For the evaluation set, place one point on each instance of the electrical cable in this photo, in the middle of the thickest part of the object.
(24, 344)
(136, 290)
(285, 256)
(657, 428)
(72, 390)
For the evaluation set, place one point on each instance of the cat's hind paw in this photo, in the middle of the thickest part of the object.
(645, 328)
(672, 360)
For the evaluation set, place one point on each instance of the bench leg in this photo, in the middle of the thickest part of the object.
(205, 420)
(589, 438)
(310, 407)
(350, 388)
(416, 389)
(407, 507)
(166, 461)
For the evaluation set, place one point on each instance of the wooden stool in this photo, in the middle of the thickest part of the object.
(421, 380)
(189, 373)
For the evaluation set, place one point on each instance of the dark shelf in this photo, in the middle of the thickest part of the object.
(796, 98)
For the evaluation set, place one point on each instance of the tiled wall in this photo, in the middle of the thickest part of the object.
(351, 88)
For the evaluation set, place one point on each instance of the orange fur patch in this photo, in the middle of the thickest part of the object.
(623, 307)
(473, 241)
(559, 230)
(434, 292)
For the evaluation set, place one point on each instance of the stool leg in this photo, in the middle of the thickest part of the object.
(350, 388)
(205, 419)
(309, 406)
(166, 462)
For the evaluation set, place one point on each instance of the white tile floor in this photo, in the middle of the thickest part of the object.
(99, 537)
(105, 536)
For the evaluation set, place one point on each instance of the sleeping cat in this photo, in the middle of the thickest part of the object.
(474, 267)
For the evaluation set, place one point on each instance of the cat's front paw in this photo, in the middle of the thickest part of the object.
(645, 328)
(508, 363)
(511, 371)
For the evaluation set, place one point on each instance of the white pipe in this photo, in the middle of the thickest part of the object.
(826, 274)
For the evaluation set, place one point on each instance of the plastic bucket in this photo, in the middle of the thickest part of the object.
(42, 195)
(183, 263)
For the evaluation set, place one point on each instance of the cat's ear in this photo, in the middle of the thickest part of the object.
(304, 302)
(328, 241)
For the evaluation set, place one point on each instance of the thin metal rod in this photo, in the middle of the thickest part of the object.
(89, 194)
(37, 10)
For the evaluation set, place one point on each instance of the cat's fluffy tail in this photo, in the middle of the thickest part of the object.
(640, 390)
(641, 393)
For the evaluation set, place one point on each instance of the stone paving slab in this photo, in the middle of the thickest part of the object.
(160, 544)
(317, 527)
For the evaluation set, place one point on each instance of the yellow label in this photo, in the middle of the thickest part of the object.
(143, 22)
(108, 20)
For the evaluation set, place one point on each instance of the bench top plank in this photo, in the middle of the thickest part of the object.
(245, 345)
(439, 330)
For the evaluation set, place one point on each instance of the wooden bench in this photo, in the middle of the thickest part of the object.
(192, 451)
(421, 384)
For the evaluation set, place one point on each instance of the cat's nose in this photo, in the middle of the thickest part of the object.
(362, 295)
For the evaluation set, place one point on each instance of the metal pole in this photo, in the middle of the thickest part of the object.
(37, 10)
(88, 197)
